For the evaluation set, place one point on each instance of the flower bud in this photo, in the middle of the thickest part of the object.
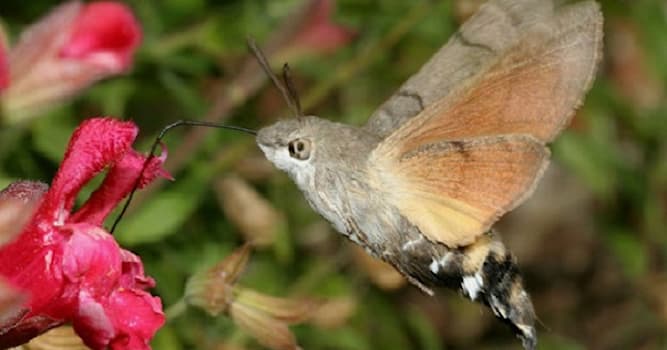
(211, 290)
(263, 316)
(254, 216)
(315, 33)
(273, 334)
(335, 312)
(4, 63)
(66, 51)
(288, 310)
(267, 317)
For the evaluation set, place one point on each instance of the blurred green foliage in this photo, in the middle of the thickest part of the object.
(615, 296)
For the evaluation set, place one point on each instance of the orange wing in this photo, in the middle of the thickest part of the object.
(478, 152)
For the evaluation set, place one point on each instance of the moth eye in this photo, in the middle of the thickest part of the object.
(299, 149)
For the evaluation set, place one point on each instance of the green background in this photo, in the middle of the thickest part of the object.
(592, 242)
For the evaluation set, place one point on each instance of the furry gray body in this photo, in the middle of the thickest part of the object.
(343, 196)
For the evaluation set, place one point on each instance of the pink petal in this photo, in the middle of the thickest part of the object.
(31, 262)
(92, 323)
(106, 34)
(319, 34)
(137, 316)
(42, 39)
(95, 144)
(118, 183)
(133, 272)
(127, 320)
(91, 259)
(113, 310)
(23, 330)
(17, 206)
(4, 67)
(26, 191)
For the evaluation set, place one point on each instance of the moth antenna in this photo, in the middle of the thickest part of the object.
(264, 63)
(291, 89)
(158, 141)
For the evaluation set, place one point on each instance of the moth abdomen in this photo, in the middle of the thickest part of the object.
(504, 293)
(484, 272)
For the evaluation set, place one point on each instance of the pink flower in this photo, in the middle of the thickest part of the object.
(71, 269)
(104, 34)
(66, 51)
(319, 32)
(315, 33)
(4, 67)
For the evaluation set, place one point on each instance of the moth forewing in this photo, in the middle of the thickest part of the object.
(531, 87)
(495, 28)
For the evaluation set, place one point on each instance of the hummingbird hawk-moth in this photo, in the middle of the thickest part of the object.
(460, 143)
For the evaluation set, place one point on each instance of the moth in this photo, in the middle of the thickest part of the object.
(460, 143)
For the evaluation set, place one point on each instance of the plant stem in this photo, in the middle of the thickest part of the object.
(362, 60)
(176, 309)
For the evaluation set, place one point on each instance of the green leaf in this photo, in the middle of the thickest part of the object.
(5, 181)
(113, 96)
(166, 339)
(283, 245)
(52, 133)
(159, 218)
(345, 338)
(183, 92)
(630, 252)
(425, 333)
(590, 162)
